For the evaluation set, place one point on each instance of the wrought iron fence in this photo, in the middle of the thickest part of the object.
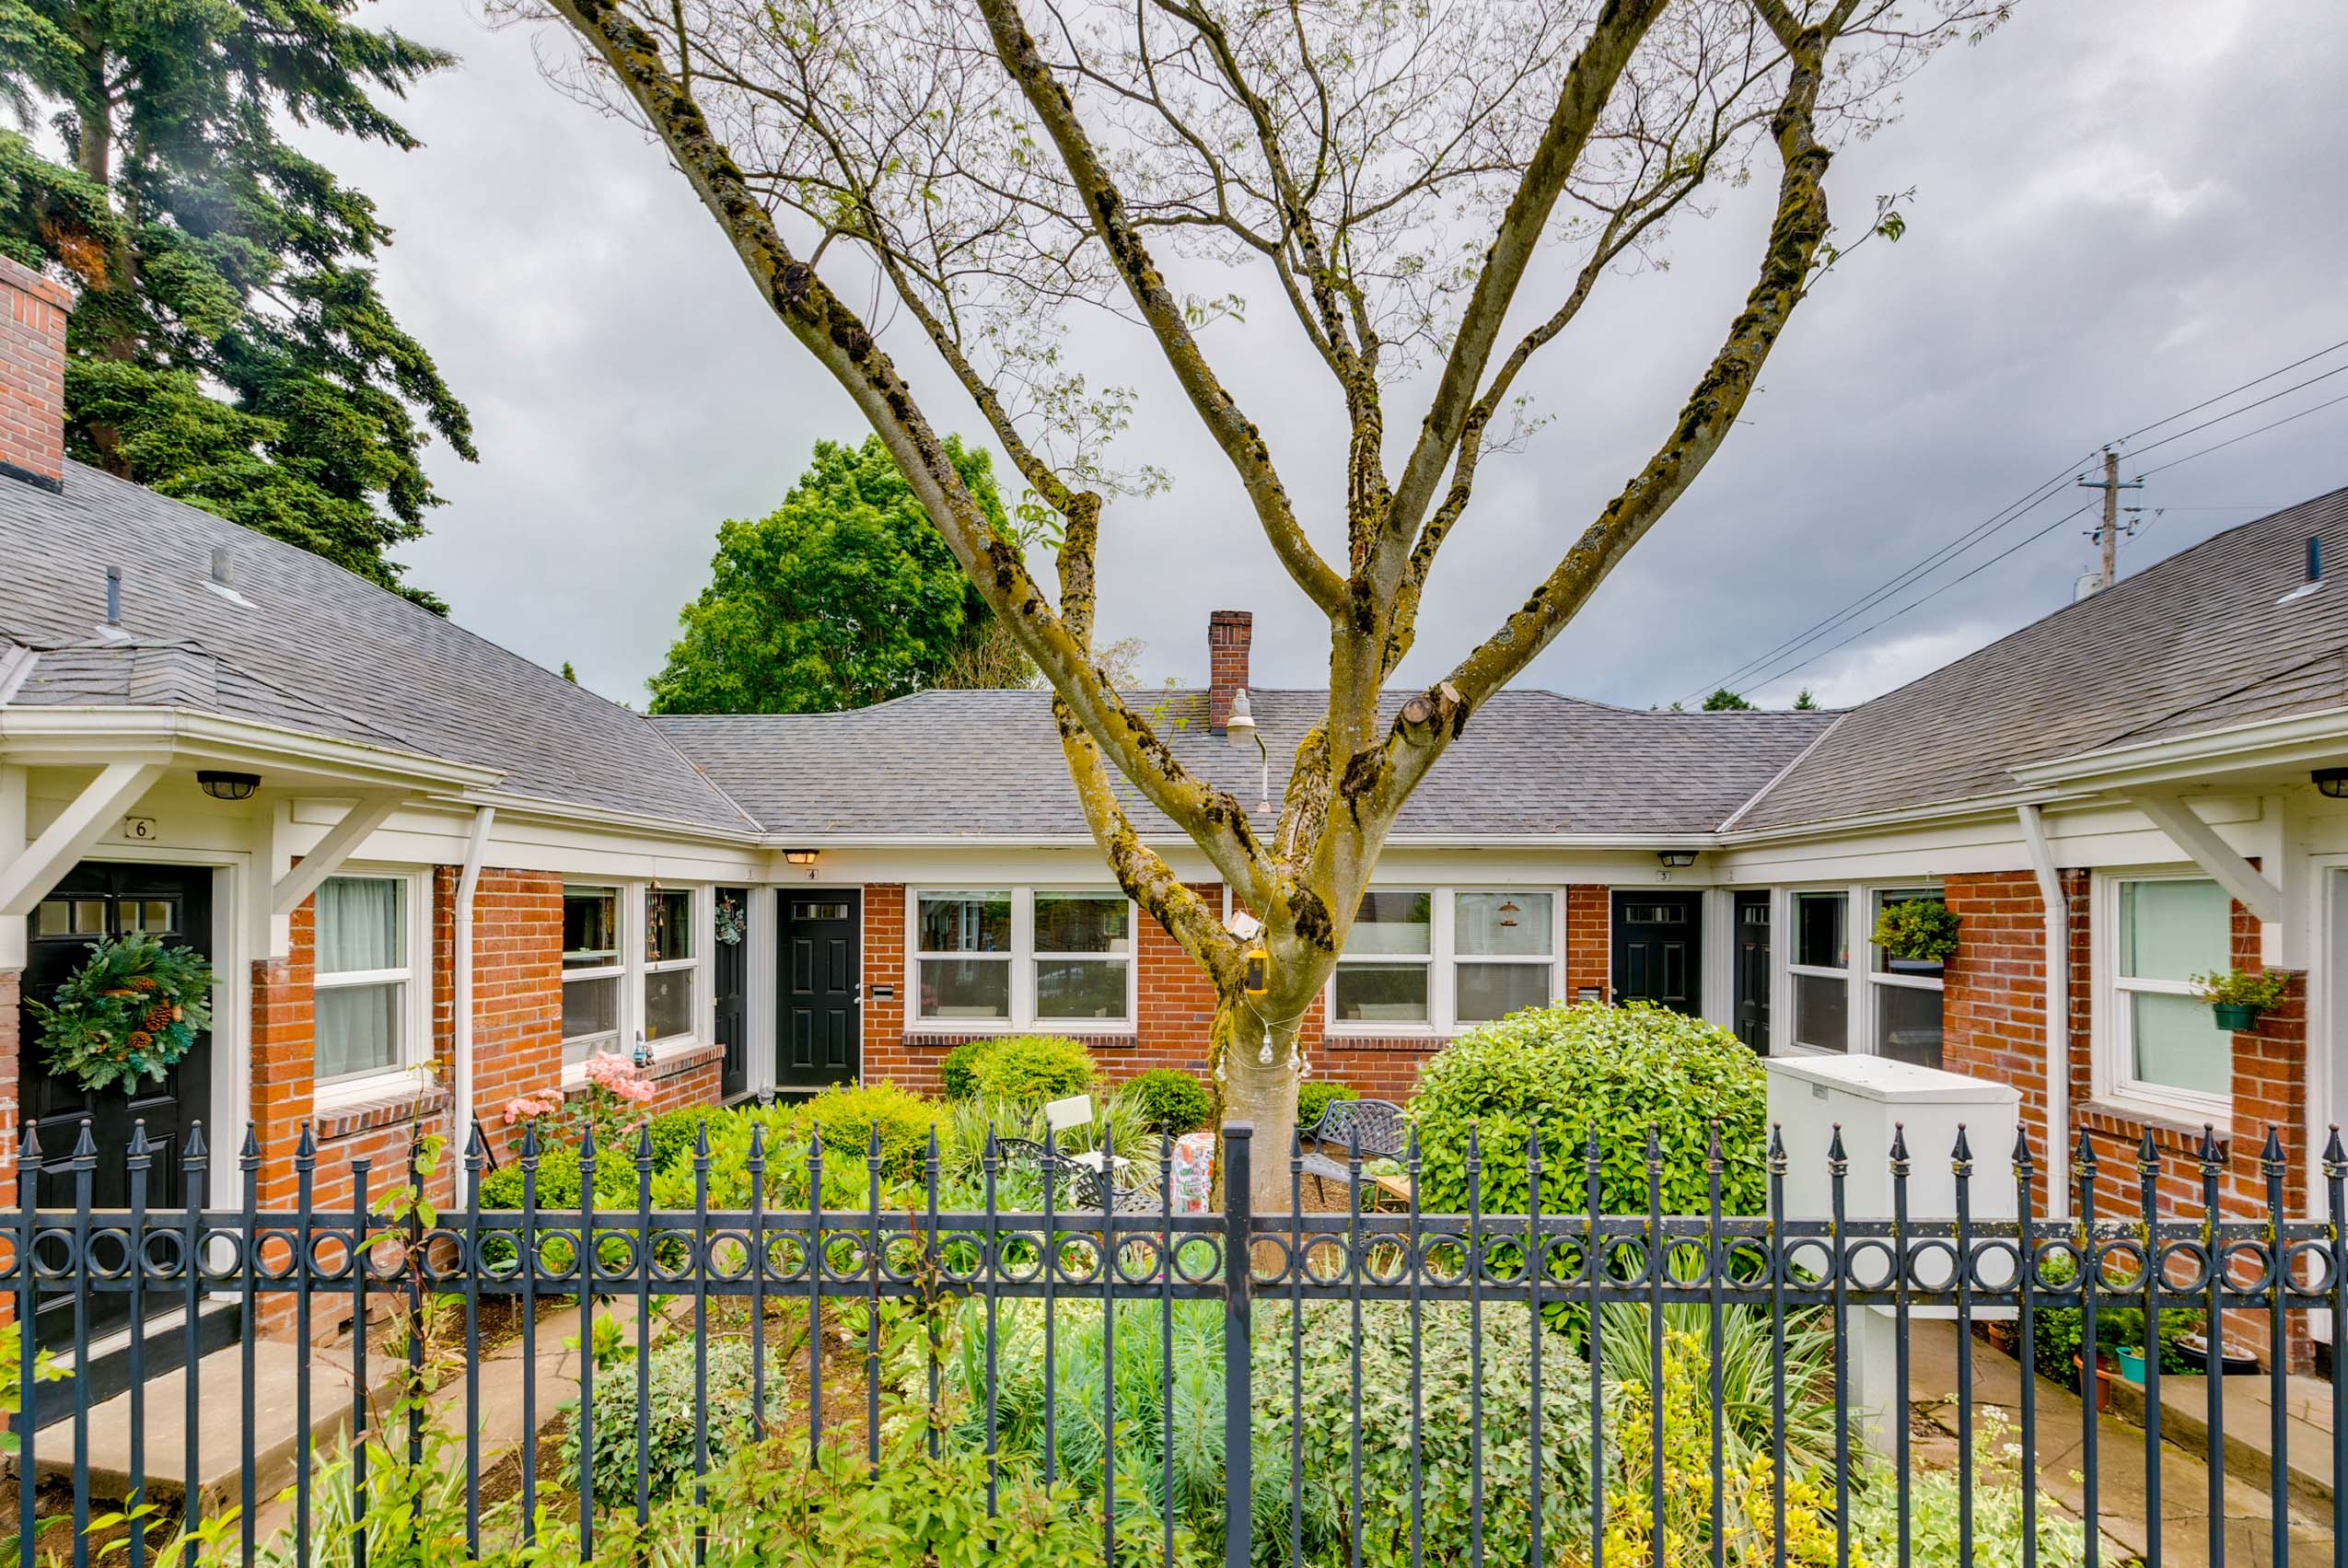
(1627, 1389)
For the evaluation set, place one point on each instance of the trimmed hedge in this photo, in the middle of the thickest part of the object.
(1031, 1069)
(1171, 1102)
(1568, 1070)
(957, 1069)
(1312, 1101)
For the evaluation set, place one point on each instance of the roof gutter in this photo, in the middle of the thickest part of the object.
(466, 1116)
(2055, 919)
(2298, 741)
(73, 737)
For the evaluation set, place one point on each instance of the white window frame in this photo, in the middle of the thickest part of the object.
(1877, 957)
(415, 1010)
(698, 915)
(615, 971)
(1443, 959)
(2111, 1031)
(1857, 1022)
(1021, 956)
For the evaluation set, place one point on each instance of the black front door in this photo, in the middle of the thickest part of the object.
(1659, 950)
(733, 973)
(817, 1042)
(173, 902)
(1753, 971)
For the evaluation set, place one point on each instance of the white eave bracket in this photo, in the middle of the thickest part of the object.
(2201, 843)
(366, 814)
(26, 879)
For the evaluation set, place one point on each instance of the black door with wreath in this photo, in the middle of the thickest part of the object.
(731, 987)
(97, 899)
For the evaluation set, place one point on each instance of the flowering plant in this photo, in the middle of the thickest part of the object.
(610, 1104)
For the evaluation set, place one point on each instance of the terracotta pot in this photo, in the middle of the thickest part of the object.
(2104, 1371)
(2003, 1336)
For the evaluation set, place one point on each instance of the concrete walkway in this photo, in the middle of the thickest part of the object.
(2059, 1429)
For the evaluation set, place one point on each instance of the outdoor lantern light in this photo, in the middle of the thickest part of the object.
(799, 856)
(1676, 858)
(1258, 980)
(2333, 782)
(227, 786)
(1241, 728)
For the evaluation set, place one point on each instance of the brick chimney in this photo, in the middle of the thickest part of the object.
(32, 376)
(1228, 632)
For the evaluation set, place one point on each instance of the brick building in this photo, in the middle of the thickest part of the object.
(432, 876)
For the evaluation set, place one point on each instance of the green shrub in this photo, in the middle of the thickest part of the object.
(843, 1120)
(1568, 1070)
(1171, 1102)
(1031, 1069)
(957, 1069)
(673, 1403)
(673, 1133)
(558, 1181)
(1312, 1101)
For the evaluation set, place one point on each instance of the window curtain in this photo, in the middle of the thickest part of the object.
(362, 925)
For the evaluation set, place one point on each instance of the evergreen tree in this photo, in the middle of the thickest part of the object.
(229, 346)
(1805, 703)
(1725, 701)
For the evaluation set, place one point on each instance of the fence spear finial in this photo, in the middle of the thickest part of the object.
(1898, 1148)
(2334, 1156)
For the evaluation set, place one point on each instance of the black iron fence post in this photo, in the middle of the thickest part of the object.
(1238, 1386)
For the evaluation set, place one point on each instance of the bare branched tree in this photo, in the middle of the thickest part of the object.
(995, 170)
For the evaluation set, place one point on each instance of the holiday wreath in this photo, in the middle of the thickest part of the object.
(131, 1010)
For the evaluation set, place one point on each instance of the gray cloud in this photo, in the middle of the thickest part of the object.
(2122, 207)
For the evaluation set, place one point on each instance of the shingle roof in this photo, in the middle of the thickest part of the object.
(2198, 641)
(988, 764)
(313, 648)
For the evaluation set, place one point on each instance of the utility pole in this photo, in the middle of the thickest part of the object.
(2108, 532)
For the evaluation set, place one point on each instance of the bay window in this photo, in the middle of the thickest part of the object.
(1005, 958)
(1439, 959)
(2159, 1041)
(366, 1021)
(1907, 992)
(1820, 967)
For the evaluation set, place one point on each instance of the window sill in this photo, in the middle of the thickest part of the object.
(2183, 1122)
(925, 1029)
(385, 1100)
(665, 1056)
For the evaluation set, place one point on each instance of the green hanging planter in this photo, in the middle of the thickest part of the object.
(2235, 1016)
(2237, 997)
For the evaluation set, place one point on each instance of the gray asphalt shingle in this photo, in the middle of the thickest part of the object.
(314, 648)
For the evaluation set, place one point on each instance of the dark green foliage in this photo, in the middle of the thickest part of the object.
(558, 1181)
(1173, 1102)
(673, 1403)
(1569, 1070)
(844, 596)
(673, 1133)
(1312, 1101)
(957, 1069)
(1724, 701)
(1920, 930)
(229, 346)
(1031, 1069)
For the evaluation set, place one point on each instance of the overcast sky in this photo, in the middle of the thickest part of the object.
(2122, 208)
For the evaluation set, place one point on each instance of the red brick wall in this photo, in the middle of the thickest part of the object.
(1589, 940)
(885, 1056)
(518, 984)
(32, 371)
(1994, 998)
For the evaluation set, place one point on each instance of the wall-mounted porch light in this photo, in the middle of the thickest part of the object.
(799, 856)
(222, 785)
(1676, 858)
(2333, 782)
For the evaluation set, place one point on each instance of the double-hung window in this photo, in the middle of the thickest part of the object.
(594, 970)
(367, 1014)
(1907, 992)
(669, 963)
(2160, 1041)
(990, 957)
(1821, 966)
(1441, 958)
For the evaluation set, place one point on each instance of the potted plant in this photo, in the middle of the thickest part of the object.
(2237, 996)
(1917, 933)
(2132, 1364)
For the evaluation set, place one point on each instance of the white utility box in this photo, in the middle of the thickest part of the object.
(1867, 1096)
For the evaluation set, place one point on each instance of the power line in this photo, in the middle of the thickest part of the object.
(2023, 543)
(2246, 407)
(2221, 397)
(2248, 434)
(2014, 511)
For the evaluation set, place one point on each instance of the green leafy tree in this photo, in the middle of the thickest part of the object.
(1724, 701)
(229, 346)
(841, 596)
